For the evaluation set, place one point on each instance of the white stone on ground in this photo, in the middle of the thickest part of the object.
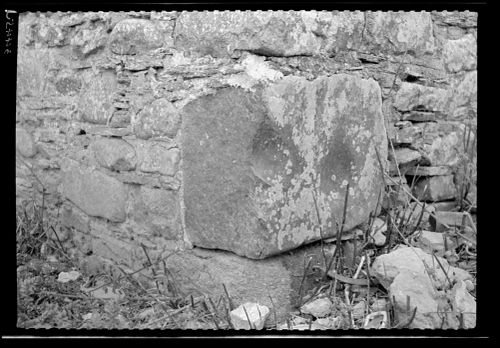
(256, 313)
(377, 232)
(318, 308)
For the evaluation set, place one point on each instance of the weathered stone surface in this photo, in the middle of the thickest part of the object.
(462, 103)
(419, 116)
(407, 135)
(377, 234)
(428, 171)
(202, 272)
(71, 218)
(96, 100)
(219, 34)
(132, 36)
(463, 302)
(249, 316)
(435, 188)
(157, 209)
(404, 156)
(25, 143)
(442, 143)
(460, 54)
(159, 118)
(94, 192)
(68, 85)
(399, 32)
(413, 212)
(156, 157)
(407, 271)
(319, 308)
(90, 38)
(451, 219)
(435, 242)
(114, 154)
(249, 164)
(412, 96)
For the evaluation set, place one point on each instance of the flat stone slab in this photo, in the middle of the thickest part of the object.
(256, 164)
(94, 192)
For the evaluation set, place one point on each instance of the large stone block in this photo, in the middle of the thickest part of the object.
(133, 36)
(273, 282)
(94, 192)
(255, 165)
(399, 32)
(219, 34)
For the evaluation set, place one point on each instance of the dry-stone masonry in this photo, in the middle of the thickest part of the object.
(221, 141)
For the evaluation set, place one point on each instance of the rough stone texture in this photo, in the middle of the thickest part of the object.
(451, 219)
(463, 302)
(412, 96)
(156, 157)
(435, 188)
(249, 316)
(460, 54)
(133, 36)
(96, 100)
(250, 169)
(411, 272)
(114, 154)
(405, 155)
(94, 192)
(158, 210)
(435, 242)
(25, 143)
(219, 34)
(318, 308)
(399, 32)
(202, 272)
(161, 117)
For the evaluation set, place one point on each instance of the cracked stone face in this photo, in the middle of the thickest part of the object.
(257, 164)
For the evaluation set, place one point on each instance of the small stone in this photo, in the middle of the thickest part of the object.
(379, 304)
(377, 233)
(445, 206)
(358, 311)
(159, 118)
(257, 315)
(469, 285)
(419, 116)
(413, 212)
(412, 96)
(329, 322)
(157, 157)
(114, 154)
(463, 302)
(449, 218)
(25, 143)
(404, 156)
(318, 308)
(435, 242)
(407, 135)
(435, 188)
(428, 171)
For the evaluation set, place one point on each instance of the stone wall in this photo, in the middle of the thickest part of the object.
(238, 131)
